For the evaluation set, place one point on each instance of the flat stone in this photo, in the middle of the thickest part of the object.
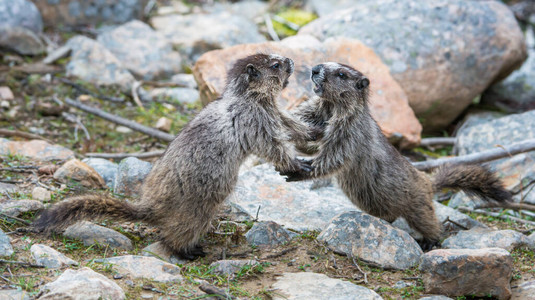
(5, 245)
(82, 284)
(443, 53)
(130, 176)
(15, 208)
(6, 93)
(388, 102)
(41, 194)
(90, 234)
(159, 251)
(50, 258)
(143, 51)
(372, 240)
(306, 285)
(304, 208)
(7, 188)
(458, 272)
(14, 295)
(79, 172)
(229, 267)
(175, 95)
(35, 149)
(268, 234)
(478, 238)
(524, 291)
(145, 267)
(185, 80)
(105, 168)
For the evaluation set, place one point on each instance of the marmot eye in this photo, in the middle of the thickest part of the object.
(275, 66)
(342, 75)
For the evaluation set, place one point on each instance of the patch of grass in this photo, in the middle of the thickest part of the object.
(296, 16)
(28, 284)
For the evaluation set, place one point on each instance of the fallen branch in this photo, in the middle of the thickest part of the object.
(495, 214)
(479, 157)
(88, 92)
(15, 218)
(270, 29)
(135, 95)
(121, 121)
(22, 134)
(360, 270)
(508, 205)
(125, 155)
(287, 23)
(215, 291)
(433, 142)
(21, 263)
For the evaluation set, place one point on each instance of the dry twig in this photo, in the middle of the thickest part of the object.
(270, 29)
(88, 92)
(20, 263)
(495, 214)
(215, 291)
(135, 94)
(15, 218)
(434, 142)
(360, 270)
(26, 135)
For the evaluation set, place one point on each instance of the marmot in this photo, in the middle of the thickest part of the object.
(200, 167)
(370, 171)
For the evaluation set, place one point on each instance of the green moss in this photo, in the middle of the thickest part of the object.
(296, 16)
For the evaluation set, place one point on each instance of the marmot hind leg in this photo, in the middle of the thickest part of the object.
(424, 220)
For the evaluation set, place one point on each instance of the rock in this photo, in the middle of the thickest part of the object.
(6, 93)
(268, 234)
(79, 172)
(158, 250)
(195, 34)
(436, 298)
(163, 124)
(175, 95)
(5, 245)
(304, 209)
(307, 285)
(251, 9)
(185, 80)
(41, 194)
(92, 62)
(14, 295)
(145, 267)
(143, 51)
(372, 240)
(7, 188)
(82, 284)
(531, 241)
(458, 272)
(105, 168)
(130, 176)
(35, 149)
(475, 117)
(229, 267)
(516, 93)
(388, 102)
(478, 238)
(20, 27)
(525, 291)
(75, 12)
(50, 258)
(443, 53)
(15, 208)
(90, 234)
(326, 7)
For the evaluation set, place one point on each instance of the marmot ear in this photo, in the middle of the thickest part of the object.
(252, 71)
(363, 83)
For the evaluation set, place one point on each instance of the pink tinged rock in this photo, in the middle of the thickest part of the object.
(458, 272)
(79, 172)
(6, 93)
(389, 103)
(35, 149)
(41, 194)
(524, 291)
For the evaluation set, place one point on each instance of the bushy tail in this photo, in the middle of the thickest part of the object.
(83, 207)
(472, 179)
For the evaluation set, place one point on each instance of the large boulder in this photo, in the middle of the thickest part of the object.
(443, 52)
(20, 27)
(389, 104)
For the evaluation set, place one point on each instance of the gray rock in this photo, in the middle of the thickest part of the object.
(199, 33)
(458, 272)
(20, 26)
(371, 240)
(304, 209)
(268, 234)
(7, 188)
(5, 245)
(185, 80)
(531, 241)
(50, 258)
(251, 9)
(21, 40)
(325, 7)
(158, 250)
(15, 208)
(14, 295)
(130, 176)
(76, 12)
(524, 291)
(475, 117)
(306, 285)
(92, 62)
(35, 149)
(478, 238)
(145, 267)
(229, 267)
(41, 194)
(90, 234)
(421, 44)
(143, 51)
(105, 168)
(82, 284)
(175, 95)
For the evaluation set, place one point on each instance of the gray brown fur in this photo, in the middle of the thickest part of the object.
(199, 169)
(371, 172)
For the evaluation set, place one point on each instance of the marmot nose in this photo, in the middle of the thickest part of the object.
(316, 70)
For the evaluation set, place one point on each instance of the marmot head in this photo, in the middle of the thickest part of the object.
(334, 81)
(260, 73)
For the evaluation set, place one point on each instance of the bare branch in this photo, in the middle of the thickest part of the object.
(215, 291)
(26, 135)
(434, 142)
(20, 263)
(121, 121)
(135, 94)
(496, 215)
(270, 29)
(508, 205)
(125, 155)
(479, 157)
